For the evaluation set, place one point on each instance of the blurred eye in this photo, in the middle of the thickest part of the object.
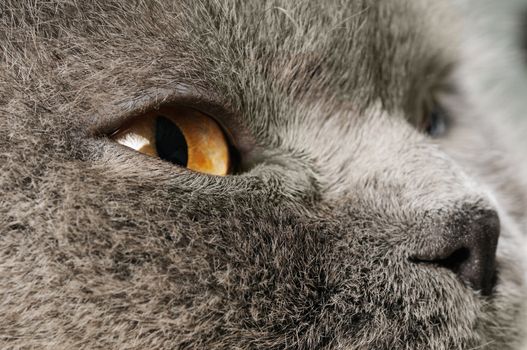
(179, 135)
(433, 120)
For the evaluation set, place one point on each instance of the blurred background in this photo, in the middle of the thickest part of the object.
(495, 39)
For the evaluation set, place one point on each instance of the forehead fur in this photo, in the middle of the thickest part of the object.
(361, 49)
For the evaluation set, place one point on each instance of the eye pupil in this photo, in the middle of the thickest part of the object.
(170, 142)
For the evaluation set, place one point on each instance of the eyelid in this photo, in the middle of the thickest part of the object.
(125, 111)
(113, 117)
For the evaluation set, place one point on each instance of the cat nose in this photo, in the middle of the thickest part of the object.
(468, 249)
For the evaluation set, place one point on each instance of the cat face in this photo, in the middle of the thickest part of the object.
(370, 204)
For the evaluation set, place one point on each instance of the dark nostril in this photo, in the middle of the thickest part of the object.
(455, 261)
(451, 261)
(468, 249)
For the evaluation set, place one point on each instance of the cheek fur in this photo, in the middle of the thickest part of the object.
(315, 245)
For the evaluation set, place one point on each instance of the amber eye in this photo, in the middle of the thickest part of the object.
(179, 135)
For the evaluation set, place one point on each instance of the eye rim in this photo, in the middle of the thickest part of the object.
(438, 86)
(234, 161)
(109, 118)
(435, 119)
(443, 96)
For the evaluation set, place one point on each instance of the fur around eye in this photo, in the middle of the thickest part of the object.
(180, 135)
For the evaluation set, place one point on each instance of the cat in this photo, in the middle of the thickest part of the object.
(372, 200)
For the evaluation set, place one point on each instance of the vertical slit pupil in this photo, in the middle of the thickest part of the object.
(170, 142)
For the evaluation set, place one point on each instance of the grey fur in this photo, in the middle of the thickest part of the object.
(307, 248)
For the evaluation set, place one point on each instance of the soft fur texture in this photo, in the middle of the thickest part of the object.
(308, 247)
